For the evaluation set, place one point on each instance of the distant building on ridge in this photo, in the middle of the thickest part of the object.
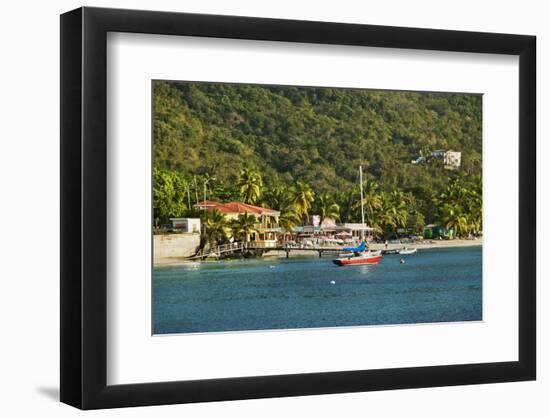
(452, 159)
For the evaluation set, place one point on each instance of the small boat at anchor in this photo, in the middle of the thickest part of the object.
(407, 251)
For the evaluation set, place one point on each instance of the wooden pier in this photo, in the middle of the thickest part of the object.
(258, 248)
(321, 250)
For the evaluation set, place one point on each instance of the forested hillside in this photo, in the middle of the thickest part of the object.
(207, 133)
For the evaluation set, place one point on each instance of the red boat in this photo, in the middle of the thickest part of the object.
(364, 258)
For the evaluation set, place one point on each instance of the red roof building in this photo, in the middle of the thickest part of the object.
(267, 225)
(236, 207)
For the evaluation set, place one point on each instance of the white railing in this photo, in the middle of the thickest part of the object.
(218, 250)
(260, 244)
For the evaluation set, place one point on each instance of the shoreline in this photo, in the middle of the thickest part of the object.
(432, 244)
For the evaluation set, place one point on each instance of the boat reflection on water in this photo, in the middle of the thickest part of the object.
(365, 269)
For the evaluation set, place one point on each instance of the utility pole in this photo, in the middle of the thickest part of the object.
(196, 192)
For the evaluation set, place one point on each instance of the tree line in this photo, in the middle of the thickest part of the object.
(458, 207)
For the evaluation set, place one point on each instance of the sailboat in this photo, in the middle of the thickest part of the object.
(361, 255)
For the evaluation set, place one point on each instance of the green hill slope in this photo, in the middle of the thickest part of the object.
(317, 136)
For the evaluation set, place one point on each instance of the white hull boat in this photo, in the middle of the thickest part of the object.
(407, 251)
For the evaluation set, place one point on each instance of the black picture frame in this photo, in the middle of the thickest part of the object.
(84, 207)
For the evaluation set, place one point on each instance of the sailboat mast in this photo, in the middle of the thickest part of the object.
(362, 204)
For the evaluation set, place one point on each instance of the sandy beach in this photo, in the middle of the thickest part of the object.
(420, 245)
(430, 244)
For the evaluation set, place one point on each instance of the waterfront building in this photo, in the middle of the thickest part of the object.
(267, 227)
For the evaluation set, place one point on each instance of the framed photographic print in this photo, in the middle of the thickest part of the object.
(257, 208)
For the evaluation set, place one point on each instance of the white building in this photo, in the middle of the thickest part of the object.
(357, 230)
(187, 225)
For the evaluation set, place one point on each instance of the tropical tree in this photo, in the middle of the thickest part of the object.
(454, 218)
(372, 203)
(289, 219)
(216, 226)
(347, 200)
(223, 191)
(372, 198)
(276, 198)
(243, 226)
(416, 221)
(327, 207)
(475, 205)
(169, 193)
(301, 197)
(461, 206)
(457, 193)
(426, 202)
(475, 218)
(250, 185)
(394, 213)
(280, 198)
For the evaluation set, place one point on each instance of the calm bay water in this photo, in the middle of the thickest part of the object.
(434, 285)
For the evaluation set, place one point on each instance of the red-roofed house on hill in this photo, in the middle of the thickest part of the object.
(267, 226)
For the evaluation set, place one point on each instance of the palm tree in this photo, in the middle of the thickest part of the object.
(456, 193)
(372, 198)
(250, 185)
(327, 208)
(281, 198)
(302, 197)
(289, 219)
(454, 218)
(394, 211)
(416, 221)
(475, 205)
(461, 206)
(347, 201)
(216, 225)
(372, 201)
(243, 227)
(275, 198)
(475, 219)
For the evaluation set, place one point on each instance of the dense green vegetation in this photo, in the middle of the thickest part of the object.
(298, 150)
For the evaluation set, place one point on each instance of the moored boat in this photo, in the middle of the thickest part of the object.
(407, 251)
(360, 255)
(362, 258)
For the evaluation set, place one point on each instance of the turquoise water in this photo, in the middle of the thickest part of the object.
(434, 285)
